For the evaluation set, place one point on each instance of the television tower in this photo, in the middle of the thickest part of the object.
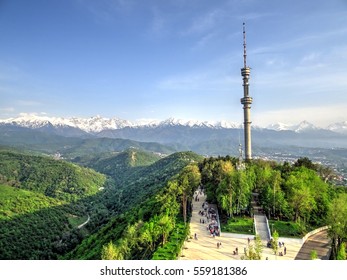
(246, 101)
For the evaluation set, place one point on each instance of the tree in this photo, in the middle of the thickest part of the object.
(243, 188)
(189, 179)
(225, 193)
(274, 242)
(168, 199)
(253, 252)
(341, 254)
(306, 162)
(300, 193)
(150, 234)
(337, 222)
(165, 226)
(111, 252)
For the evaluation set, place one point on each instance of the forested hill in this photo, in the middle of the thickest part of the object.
(54, 178)
(119, 165)
(41, 204)
(43, 200)
(133, 184)
(34, 226)
(155, 193)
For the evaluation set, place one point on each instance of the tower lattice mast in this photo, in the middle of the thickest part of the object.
(246, 100)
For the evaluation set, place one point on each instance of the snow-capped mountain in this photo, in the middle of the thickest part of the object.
(203, 137)
(279, 126)
(340, 127)
(196, 123)
(98, 124)
(301, 127)
(90, 125)
(304, 126)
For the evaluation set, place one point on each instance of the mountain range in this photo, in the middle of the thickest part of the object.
(97, 124)
(78, 136)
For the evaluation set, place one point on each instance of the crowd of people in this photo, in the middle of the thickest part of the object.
(209, 216)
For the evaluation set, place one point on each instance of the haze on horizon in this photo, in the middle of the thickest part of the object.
(154, 60)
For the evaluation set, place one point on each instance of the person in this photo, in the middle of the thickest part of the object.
(237, 251)
(285, 250)
(249, 240)
(217, 245)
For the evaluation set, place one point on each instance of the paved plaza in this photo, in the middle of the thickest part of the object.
(205, 246)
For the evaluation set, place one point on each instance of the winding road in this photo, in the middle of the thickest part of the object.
(86, 222)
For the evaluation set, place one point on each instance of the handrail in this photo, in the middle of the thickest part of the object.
(268, 228)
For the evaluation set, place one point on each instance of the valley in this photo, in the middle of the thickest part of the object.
(134, 184)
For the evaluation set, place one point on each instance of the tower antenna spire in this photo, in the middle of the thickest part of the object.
(246, 101)
(244, 46)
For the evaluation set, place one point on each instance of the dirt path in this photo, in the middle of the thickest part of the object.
(205, 247)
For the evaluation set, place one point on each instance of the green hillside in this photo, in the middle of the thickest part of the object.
(157, 194)
(119, 165)
(54, 178)
(15, 202)
(44, 200)
(33, 226)
(134, 184)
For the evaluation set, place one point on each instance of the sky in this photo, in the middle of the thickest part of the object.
(155, 59)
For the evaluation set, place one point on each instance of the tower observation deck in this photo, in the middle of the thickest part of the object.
(246, 101)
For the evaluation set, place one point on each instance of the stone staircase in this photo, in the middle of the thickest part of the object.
(261, 227)
(260, 220)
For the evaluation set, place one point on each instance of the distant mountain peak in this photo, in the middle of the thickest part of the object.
(96, 124)
(301, 127)
(304, 126)
(340, 127)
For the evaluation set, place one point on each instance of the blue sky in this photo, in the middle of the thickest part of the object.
(155, 59)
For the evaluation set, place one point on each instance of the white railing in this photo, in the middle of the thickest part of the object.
(268, 228)
(313, 232)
